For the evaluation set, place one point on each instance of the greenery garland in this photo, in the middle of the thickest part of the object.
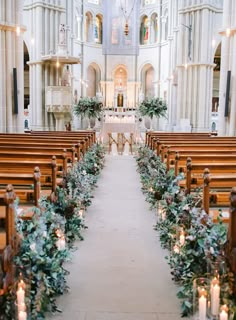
(39, 259)
(205, 241)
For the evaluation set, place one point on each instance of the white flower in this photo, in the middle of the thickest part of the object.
(33, 246)
(95, 165)
(84, 172)
(45, 234)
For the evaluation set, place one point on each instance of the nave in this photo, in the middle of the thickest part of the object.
(119, 272)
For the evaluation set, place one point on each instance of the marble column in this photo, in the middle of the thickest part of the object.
(79, 24)
(11, 56)
(226, 62)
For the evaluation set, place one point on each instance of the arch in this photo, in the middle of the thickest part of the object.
(144, 29)
(93, 78)
(89, 27)
(147, 76)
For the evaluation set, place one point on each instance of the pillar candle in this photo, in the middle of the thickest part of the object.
(223, 315)
(215, 297)
(22, 315)
(202, 307)
(20, 296)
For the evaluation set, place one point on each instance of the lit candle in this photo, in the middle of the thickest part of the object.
(21, 284)
(215, 297)
(182, 238)
(223, 315)
(202, 305)
(22, 315)
(20, 296)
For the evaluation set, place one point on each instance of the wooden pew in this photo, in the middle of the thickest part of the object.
(151, 135)
(179, 162)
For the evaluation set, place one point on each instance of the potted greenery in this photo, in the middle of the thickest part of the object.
(88, 107)
(153, 107)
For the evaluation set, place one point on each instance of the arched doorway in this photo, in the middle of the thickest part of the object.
(216, 88)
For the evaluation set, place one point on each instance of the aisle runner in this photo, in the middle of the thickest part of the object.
(119, 272)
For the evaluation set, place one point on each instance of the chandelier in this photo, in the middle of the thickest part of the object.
(126, 14)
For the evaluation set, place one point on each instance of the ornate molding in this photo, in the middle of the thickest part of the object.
(44, 5)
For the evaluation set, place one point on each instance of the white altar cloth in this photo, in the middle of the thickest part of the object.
(118, 128)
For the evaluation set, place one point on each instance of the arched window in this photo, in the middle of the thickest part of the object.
(154, 28)
(88, 27)
(144, 30)
(98, 29)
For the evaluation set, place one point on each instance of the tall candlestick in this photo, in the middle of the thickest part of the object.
(20, 296)
(202, 305)
(215, 297)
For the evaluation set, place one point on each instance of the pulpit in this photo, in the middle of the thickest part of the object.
(59, 102)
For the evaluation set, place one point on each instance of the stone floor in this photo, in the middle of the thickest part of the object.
(119, 272)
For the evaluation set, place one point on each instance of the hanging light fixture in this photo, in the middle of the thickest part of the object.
(126, 29)
(127, 15)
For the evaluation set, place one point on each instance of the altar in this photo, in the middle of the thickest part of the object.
(119, 122)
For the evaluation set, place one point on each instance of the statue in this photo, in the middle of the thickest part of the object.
(120, 100)
(62, 35)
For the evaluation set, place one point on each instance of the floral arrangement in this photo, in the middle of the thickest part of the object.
(153, 107)
(204, 242)
(46, 240)
(88, 107)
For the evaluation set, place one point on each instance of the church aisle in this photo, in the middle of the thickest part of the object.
(119, 272)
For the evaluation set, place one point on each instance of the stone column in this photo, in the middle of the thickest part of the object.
(11, 56)
(225, 66)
